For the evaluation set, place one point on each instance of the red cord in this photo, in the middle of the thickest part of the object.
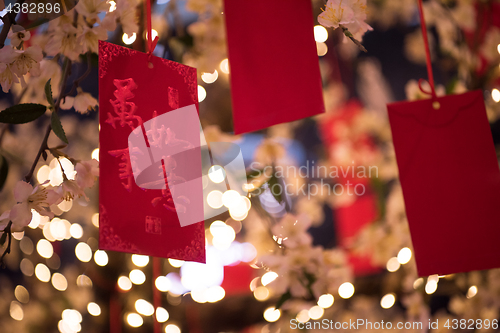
(151, 44)
(427, 51)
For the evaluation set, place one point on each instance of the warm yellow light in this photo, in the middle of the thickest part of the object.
(495, 94)
(320, 33)
(224, 66)
(326, 301)
(223, 235)
(42, 273)
(431, 287)
(22, 294)
(230, 198)
(271, 314)
(172, 328)
(303, 316)
(199, 295)
(129, 40)
(112, 6)
(43, 174)
(162, 315)
(94, 309)
(83, 281)
(144, 307)
(387, 301)
(59, 282)
(95, 154)
(72, 316)
(404, 255)
(268, 278)
(214, 199)
(101, 258)
(210, 77)
(83, 252)
(261, 293)
(137, 277)
(134, 320)
(65, 205)
(176, 263)
(217, 174)
(215, 294)
(27, 267)
(124, 283)
(35, 219)
(217, 228)
(95, 220)
(433, 277)
(16, 311)
(472, 292)
(346, 290)
(140, 260)
(76, 231)
(202, 94)
(154, 34)
(417, 283)
(321, 48)
(44, 248)
(393, 264)
(316, 312)
(162, 283)
(253, 283)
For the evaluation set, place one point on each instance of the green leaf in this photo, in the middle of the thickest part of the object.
(57, 127)
(4, 170)
(22, 113)
(48, 93)
(285, 297)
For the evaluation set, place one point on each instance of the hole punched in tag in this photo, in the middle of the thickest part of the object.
(436, 105)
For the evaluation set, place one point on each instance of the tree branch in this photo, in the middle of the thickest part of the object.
(8, 20)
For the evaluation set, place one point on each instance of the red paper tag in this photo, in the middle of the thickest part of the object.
(274, 65)
(451, 182)
(150, 186)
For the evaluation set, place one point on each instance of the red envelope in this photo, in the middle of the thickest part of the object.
(273, 60)
(139, 211)
(451, 182)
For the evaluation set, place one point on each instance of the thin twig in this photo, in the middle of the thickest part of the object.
(76, 83)
(349, 35)
(8, 19)
(44, 145)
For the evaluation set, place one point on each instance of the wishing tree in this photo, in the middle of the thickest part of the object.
(321, 233)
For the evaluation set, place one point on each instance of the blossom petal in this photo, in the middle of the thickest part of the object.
(22, 191)
(20, 214)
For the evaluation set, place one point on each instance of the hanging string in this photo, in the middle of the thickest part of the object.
(427, 53)
(151, 44)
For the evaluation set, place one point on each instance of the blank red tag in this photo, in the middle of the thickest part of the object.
(143, 189)
(273, 61)
(451, 182)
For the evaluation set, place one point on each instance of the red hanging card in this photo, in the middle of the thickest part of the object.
(451, 182)
(273, 61)
(150, 186)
